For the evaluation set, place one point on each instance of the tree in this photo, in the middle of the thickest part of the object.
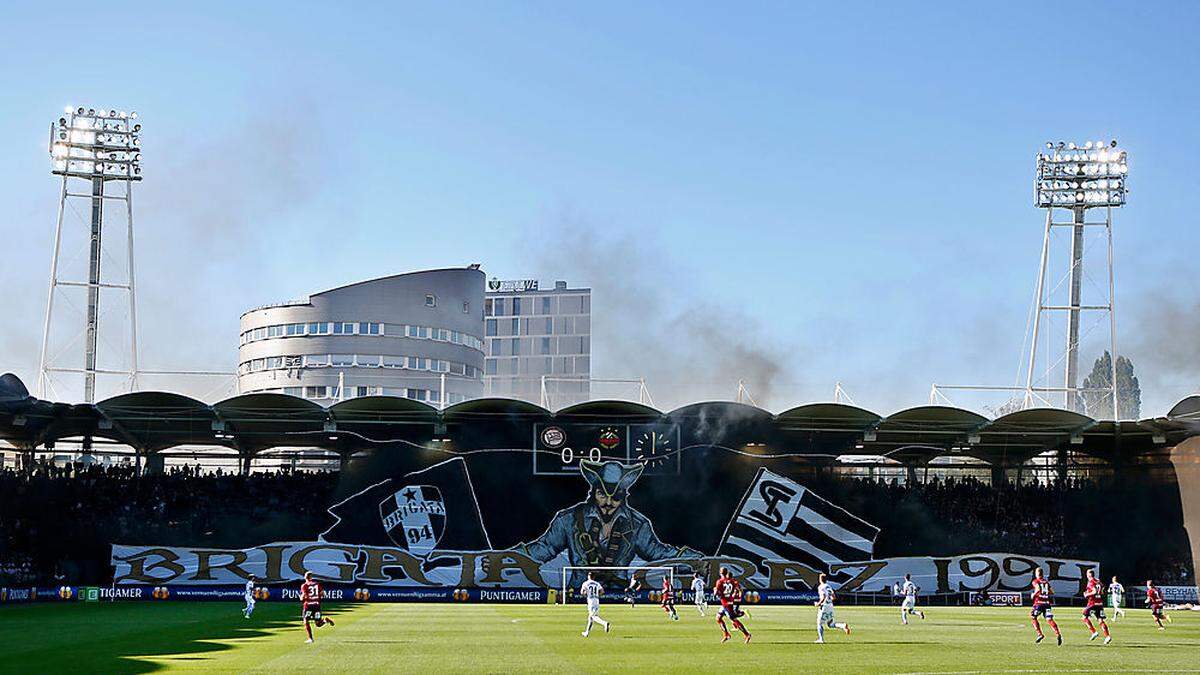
(1098, 404)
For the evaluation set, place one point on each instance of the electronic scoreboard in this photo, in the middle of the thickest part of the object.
(558, 448)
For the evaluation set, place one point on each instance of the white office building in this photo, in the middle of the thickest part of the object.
(537, 341)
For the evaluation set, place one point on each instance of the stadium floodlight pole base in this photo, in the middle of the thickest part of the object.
(667, 571)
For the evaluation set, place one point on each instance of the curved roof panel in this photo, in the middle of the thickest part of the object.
(383, 408)
(609, 410)
(723, 423)
(498, 409)
(930, 426)
(267, 404)
(724, 409)
(267, 420)
(152, 402)
(832, 428)
(1016, 437)
(934, 417)
(1187, 409)
(159, 420)
(383, 418)
(827, 417)
(11, 387)
(1041, 420)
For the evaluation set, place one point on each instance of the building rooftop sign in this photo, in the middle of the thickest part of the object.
(511, 285)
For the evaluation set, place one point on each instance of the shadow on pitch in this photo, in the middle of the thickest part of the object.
(119, 638)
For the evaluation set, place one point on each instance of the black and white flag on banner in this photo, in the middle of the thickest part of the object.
(779, 519)
(423, 511)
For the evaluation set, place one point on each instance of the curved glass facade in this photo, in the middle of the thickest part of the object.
(358, 361)
(382, 329)
(331, 393)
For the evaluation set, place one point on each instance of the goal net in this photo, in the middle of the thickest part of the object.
(614, 579)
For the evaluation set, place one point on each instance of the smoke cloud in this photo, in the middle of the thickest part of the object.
(212, 232)
(648, 321)
(220, 211)
(1165, 348)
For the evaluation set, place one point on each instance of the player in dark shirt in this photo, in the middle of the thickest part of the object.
(310, 604)
(1042, 606)
(1154, 600)
(668, 598)
(729, 592)
(1094, 595)
(632, 590)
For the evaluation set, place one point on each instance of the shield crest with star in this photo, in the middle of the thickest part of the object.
(415, 518)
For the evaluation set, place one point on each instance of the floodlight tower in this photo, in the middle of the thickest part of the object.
(95, 148)
(1077, 179)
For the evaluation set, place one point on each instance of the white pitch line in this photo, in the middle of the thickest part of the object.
(1047, 670)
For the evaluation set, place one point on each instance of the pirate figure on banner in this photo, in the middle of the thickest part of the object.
(603, 530)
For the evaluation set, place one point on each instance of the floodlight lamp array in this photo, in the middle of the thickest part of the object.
(1081, 176)
(94, 143)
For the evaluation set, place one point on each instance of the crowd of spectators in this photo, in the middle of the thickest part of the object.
(1135, 529)
(58, 522)
(17, 569)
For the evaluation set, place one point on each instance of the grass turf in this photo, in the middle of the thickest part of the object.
(213, 636)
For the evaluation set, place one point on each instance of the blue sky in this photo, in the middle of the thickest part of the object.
(845, 187)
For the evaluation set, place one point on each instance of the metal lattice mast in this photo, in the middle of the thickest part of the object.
(1077, 179)
(97, 149)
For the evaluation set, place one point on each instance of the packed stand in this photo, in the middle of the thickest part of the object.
(59, 522)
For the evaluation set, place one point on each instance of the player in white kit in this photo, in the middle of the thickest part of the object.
(249, 597)
(909, 606)
(699, 590)
(824, 605)
(592, 590)
(1116, 595)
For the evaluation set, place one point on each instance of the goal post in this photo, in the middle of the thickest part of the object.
(566, 590)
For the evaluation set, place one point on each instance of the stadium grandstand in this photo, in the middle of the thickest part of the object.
(929, 478)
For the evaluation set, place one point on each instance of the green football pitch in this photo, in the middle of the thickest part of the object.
(144, 637)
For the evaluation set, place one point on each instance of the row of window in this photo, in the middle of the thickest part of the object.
(549, 365)
(361, 328)
(574, 344)
(331, 392)
(545, 304)
(550, 325)
(358, 361)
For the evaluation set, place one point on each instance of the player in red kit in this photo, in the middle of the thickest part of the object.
(668, 598)
(1041, 597)
(729, 592)
(1094, 596)
(1154, 600)
(310, 604)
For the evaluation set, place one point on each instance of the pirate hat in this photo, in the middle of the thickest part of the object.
(611, 477)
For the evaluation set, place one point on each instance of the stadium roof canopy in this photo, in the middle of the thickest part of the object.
(150, 422)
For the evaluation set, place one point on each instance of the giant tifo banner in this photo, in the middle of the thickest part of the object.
(426, 529)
